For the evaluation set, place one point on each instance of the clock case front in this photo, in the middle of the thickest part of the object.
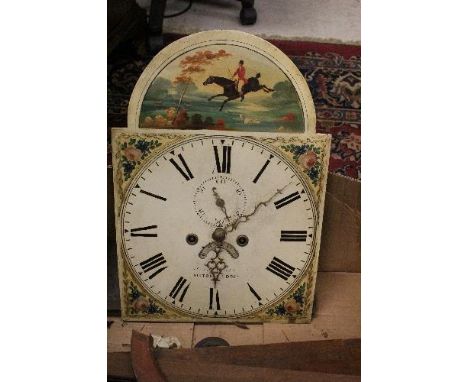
(132, 151)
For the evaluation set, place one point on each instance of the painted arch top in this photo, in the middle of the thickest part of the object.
(222, 80)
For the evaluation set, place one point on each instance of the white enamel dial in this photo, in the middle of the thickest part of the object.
(218, 226)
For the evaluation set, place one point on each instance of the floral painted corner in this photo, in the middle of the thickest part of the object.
(139, 303)
(309, 157)
(133, 151)
(292, 307)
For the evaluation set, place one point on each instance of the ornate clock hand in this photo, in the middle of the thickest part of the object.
(213, 246)
(243, 218)
(220, 202)
(219, 234)
(216, 264)
(229, 248)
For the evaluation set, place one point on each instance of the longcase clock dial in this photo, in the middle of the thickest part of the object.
(218, 227)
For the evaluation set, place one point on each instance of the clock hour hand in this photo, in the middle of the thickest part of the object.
(229, 248)
(220, 202)
(207, 249)
(243, 218)
(219, 234)
(216, 264)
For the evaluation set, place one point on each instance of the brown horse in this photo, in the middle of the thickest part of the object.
(230, 90)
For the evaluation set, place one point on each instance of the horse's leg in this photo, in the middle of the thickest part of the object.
(224, 103)
(217, 95)
(266, 89)
(227, 100)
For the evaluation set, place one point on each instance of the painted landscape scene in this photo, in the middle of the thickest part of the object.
(222, 87)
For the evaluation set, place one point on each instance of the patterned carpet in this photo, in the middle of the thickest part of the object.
(332, 71)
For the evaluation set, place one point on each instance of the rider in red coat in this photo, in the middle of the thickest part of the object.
(240, 73)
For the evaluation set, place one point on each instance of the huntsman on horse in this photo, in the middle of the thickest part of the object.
(229, 88)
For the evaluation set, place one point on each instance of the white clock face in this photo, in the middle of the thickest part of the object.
(218, 227)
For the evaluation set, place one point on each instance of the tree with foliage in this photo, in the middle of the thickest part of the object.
(208, 122)
(197, 121)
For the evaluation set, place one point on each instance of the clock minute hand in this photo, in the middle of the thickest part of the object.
(216, 264)
(243, 218)
(218, 235)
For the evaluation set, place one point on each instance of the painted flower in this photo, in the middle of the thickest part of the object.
(308, 160)
(313, 173)
(141, 304)
(134, 293)
(291, 306)
(128, 166)
(155, 309)
(143, 146)
(132, 154)
(298, 150)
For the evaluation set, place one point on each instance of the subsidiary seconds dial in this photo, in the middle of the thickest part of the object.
(218, 226)
(214, 186)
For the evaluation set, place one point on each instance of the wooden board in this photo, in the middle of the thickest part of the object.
(340, 249)
(331, 360)
(337, 312)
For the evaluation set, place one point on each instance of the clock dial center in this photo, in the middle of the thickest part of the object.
(219, 234)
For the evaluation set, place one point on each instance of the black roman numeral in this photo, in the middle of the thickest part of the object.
(135, 231)
(287, 199)
(178, 287)
(262, 170)
(254, 292)
(187, 174)
(154, 262)
(153, 195)
(218, 306)
(280, 268)
(293, 235)
(225, 165)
